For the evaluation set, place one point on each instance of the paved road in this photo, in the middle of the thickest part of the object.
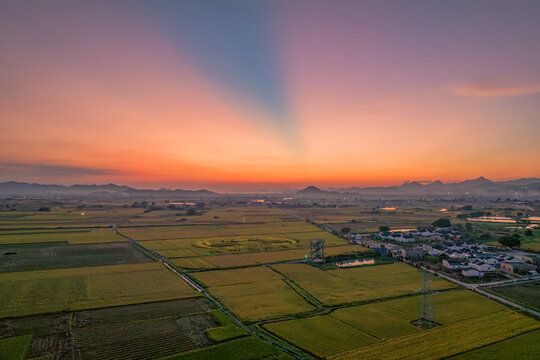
(477, 288)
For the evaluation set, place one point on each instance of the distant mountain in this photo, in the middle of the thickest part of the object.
(310, 190)
(13, 188)
(480, 187)
(313, 192)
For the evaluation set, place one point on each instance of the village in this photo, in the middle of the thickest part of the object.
(446, 250)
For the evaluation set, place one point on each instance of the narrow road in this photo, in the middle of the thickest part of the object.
(477, 288)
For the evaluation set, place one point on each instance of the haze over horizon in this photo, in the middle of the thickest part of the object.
(228, 95)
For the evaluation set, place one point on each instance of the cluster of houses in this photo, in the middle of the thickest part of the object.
(476, 260)
(408, 236)
(472, 260)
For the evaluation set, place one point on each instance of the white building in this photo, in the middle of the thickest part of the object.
(482, 267)
(453, 265)
(471, 273)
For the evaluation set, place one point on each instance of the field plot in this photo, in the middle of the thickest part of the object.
(44, 256)
(384, 330)
(333, 287)
(66, 218)
(34, 292)
(15, 348)
(142, 331)
(246, 259)
(321, 335)
(526, 346)
(194, 241)
(253, 293)
(527, 293)
(79, 236)
(210, 231)
(241, 349)
(369, 219)
(435, 343)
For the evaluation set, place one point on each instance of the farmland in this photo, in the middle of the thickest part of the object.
(71, 289)
(367, 219)
(527, 293)
(141, 331)
(526, 346)
(43, 256)
(34, 292)
(78, 236)
(245, 259)
(254, 293)
(333, 287)
(384, 330)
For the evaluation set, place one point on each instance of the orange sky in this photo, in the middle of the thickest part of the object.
(93, 98)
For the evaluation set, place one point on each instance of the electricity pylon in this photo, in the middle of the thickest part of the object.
(427, 318)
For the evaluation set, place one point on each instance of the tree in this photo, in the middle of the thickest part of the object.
(44, 209)
(485, 236)
(345, 230)
(528, 232)
(442, 223)
(191, 211)
(510, 241)
(384, 228)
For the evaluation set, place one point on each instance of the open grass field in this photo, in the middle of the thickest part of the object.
(526, 346)
(527, 293)
(253, 293)
(333, 287)
(34, 292)
(384, 329)
(44, 256)
(246, 259)
(78, 236)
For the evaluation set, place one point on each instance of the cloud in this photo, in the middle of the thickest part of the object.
(52, 170)
(493, 87)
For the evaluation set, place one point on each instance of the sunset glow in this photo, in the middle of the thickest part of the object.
(345, 95)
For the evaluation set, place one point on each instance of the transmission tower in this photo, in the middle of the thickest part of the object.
(316, 250)
(427, 318)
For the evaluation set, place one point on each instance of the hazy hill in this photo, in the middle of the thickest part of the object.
(13, 188)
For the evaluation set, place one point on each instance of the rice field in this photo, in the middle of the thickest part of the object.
(527, 293)
(43, 256)
(279, 240)
(247, 259)
(34, 292)
(526, 346)
(348, 285)
(368, 219)
(79, 236)
(15, 348)
(384, 329)
(443, 342)
(248, 348)
(321, 335)
(253, 293)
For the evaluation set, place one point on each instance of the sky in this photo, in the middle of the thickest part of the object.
(248, 95)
